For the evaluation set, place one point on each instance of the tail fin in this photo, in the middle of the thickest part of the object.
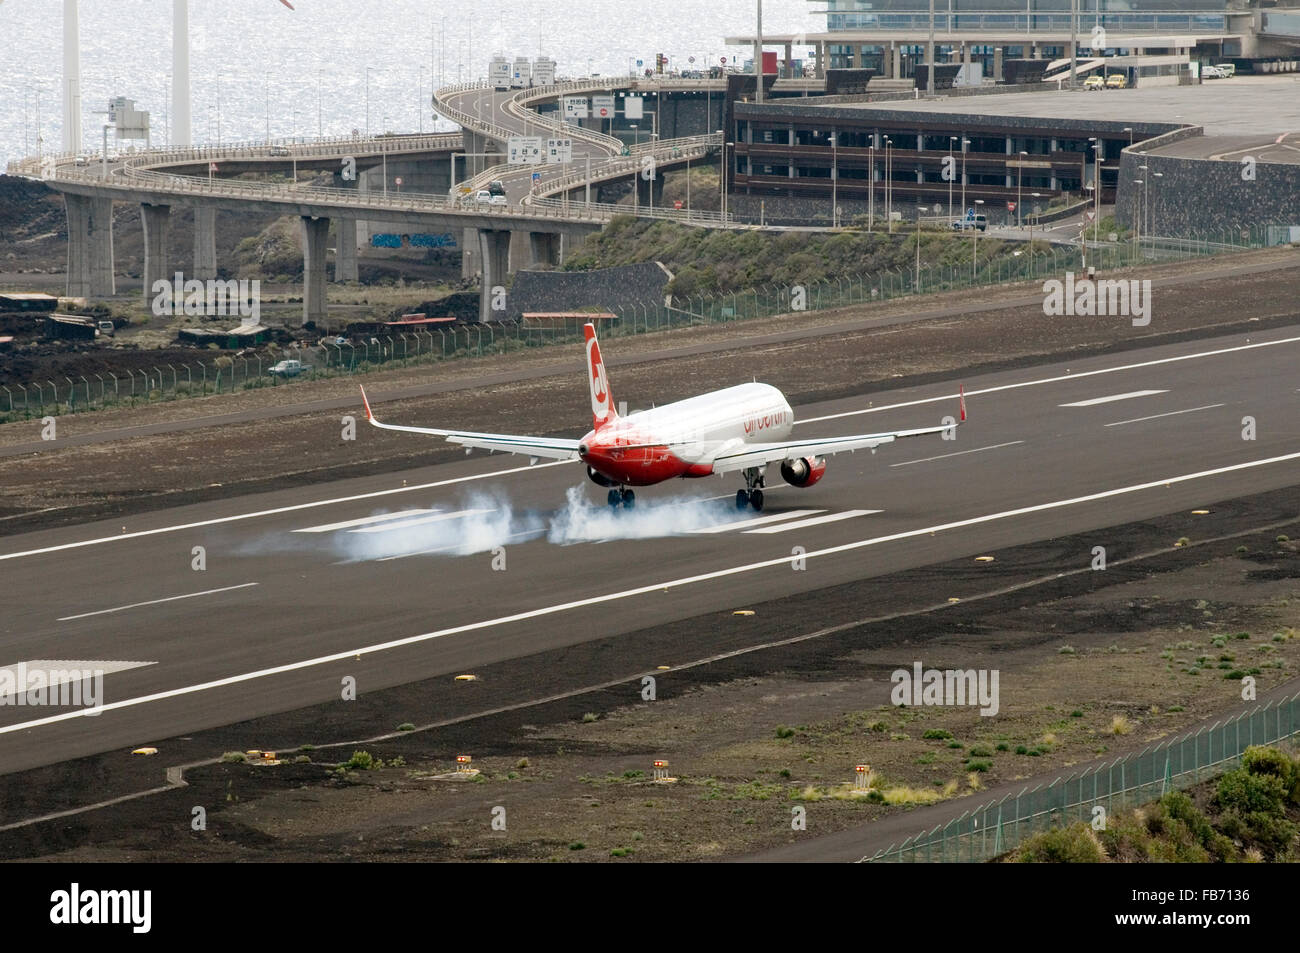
(602, 402)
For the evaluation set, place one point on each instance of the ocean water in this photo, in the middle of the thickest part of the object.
(258, 68)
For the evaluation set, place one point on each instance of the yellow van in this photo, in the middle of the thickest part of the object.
(1117, 81)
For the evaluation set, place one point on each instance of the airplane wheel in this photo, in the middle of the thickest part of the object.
(742, 499)
(614, 498)
(756, 500)
(629, 499)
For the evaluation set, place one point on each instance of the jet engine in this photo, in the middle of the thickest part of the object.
(802, 471)
(599, 478)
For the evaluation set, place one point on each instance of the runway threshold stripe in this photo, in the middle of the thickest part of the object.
(1092, 402)
(422, 521)
(363, 521)
(811, 521)
(1054, 380)
(154, 602)
(643, 590)
(1172, 413)
(217, 521)
(756, 521)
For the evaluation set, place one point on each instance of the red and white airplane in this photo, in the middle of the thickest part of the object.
(738, 429)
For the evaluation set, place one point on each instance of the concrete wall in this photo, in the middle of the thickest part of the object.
(606, 289)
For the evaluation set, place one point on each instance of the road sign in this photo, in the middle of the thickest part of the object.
(537, 176)
(724, 60)
(1091, 215)
(677, 203)
(602, 106)
(524, 150)
(634, 107)
(575, 107)
(212, 167)
(1011, 206)
(970, 214)
(397, 181)
(559, 150)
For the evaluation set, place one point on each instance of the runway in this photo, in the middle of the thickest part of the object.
(401, 577)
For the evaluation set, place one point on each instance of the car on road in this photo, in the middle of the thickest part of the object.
(485, 197)
(979, 222)
(497, 187)
(1117, 81)
(289, 368)
(280, 151)
(1096, 81)
(106, 328)
(1213, 72)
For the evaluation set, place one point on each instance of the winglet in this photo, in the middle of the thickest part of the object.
(961, 400)
(366, 401)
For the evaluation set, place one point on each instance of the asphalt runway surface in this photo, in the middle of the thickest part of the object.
(397, 578)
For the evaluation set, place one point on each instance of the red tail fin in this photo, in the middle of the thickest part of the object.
(602, 401)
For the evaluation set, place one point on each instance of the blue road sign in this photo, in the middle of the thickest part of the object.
(536, 176)
(970, 213)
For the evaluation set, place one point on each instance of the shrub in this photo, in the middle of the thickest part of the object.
(979, 751)
(784, 731)
(406, 726)
(1119, 725)
(234, 757)
(589, 717)
(938, 733)
(360, 761)
(1070, 845)
(979, 764)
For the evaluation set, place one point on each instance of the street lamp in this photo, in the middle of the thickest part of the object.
(964, 143)
(889, 190)
(1150, 213)
(1129, 130)
(835, 182)
(871, 183)
(1020, 212)
(951, 168)
(1137, 222)
(975, 242)
(920, 209)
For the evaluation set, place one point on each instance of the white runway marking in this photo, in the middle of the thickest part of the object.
(944, 456)
(276, 511)
(756, 521)
(812, 521)
(348, 524)
(154, 602)
(421, 521)
(1050, 380)
(1172, 413)
(655, 587)
(1092, 402)
(67, 670)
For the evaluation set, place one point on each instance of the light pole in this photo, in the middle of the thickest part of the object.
(919, 210)
(964, 143)
(889, 191)
(871, 184)
(1137, 219)
(1143, 209)
(835, 183)
(1151, 214)
(952, 163)
(975, 242)
(1129, 130)
(1019, 179)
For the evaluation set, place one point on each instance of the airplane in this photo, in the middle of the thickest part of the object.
(739, 429)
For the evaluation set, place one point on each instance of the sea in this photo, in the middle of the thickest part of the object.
(332, 67)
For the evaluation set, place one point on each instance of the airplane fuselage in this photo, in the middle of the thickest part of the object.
(682, 438)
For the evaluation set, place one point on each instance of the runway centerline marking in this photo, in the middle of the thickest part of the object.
(419, 521)
(1093, 401)
(812, 521)
(756, 521)
(154, 602)
(363, 521)
(1172, 413)
(945, 456)
(643, 590)
(216, 521)
(1054, 380)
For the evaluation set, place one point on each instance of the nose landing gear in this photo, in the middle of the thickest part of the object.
(621, 497)
(752, 495)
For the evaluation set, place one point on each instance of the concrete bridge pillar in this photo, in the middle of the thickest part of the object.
(545, 247)
(205, 243)
(494, 252)
(520, 251)
(650, 192)
(90, 246)
(896, 60)
(155, 219)
(315, 237)
(469, 253)
(997, 63)
(345, 250)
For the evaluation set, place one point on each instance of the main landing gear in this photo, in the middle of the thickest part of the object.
(752, 495)
(622, 497)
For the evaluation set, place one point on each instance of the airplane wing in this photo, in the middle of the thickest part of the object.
(761, 454)
(532, 447)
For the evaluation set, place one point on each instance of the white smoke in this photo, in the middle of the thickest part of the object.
(485, 523)
(582, 521)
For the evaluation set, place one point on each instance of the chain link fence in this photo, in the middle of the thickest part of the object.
(996, 827)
